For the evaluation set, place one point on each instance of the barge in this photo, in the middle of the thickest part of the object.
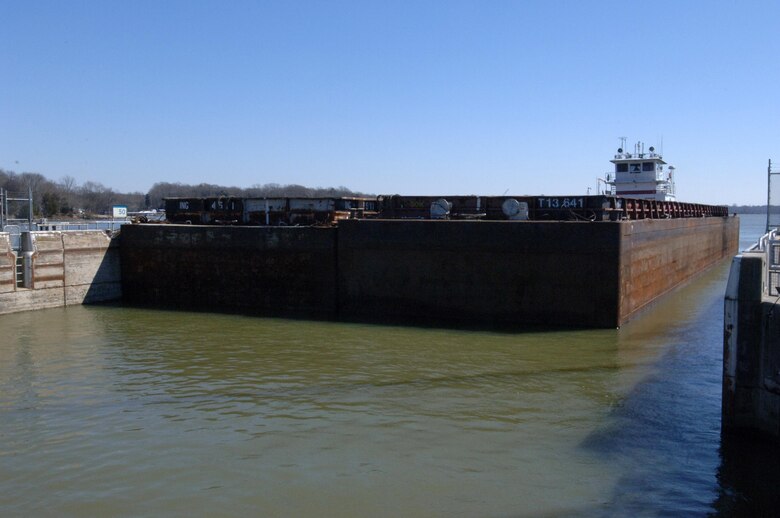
(585, 261)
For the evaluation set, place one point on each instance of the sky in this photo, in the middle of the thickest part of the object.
(431, 98)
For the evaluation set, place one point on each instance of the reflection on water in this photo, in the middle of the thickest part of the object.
(665, 434)
(109, 410)
(232, 413)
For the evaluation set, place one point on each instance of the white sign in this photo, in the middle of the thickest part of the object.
(120, 211)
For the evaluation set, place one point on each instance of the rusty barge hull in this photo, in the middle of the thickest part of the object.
(494, 273)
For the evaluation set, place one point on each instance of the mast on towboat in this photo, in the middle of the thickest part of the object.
(640, 175)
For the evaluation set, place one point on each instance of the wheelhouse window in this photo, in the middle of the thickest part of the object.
(621, 168)
(636, 168)
(648, 166)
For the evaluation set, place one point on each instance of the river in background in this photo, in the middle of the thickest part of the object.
(122, 411)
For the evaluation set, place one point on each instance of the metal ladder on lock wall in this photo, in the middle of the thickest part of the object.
(16, 246)
(20, 271)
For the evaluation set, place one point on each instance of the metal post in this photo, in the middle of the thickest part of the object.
(30, 213)
(768, 192)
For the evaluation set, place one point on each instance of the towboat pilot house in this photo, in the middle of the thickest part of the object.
(641, 175)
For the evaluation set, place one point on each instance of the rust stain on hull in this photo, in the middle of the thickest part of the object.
(592, 274)
(659, 255)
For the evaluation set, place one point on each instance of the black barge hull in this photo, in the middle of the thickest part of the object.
(494, 273)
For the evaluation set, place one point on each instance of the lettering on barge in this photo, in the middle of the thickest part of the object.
(561, 203)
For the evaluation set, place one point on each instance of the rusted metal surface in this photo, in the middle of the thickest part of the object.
(486, 273)
(321, 211)
(658, 255)
(223, 211)
(265, 270)
(267, 211)
(653, 209)
(558, 273)
(185, 210)
(561, 273)
(545, 208)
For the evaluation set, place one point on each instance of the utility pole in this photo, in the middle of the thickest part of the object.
(30, 213)
(768, 193)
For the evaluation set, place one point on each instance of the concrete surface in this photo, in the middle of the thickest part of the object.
(67, 268)
(751, 350)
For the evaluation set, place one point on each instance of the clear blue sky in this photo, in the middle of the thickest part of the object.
(412, 97)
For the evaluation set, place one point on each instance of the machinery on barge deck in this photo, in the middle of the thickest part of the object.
(328, 211)
(640, 187)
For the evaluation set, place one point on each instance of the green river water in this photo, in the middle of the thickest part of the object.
(113, 411)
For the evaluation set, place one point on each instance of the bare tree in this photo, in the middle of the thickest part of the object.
(97, 198)
(67, 184)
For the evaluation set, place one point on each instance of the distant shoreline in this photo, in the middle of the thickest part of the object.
(750, 209)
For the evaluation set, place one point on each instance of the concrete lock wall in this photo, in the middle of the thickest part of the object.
(7, 264)
(252, 269)
(65, 268)
(91, 267)
(751, 350)
(595, 274)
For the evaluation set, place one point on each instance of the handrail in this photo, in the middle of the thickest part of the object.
(769, 245)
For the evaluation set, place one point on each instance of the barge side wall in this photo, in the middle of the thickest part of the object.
(493, 273)
(658, 255)
(594, 274)
(267, 270)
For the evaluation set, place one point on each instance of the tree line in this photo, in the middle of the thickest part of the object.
(66, 198)
(750, 209)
